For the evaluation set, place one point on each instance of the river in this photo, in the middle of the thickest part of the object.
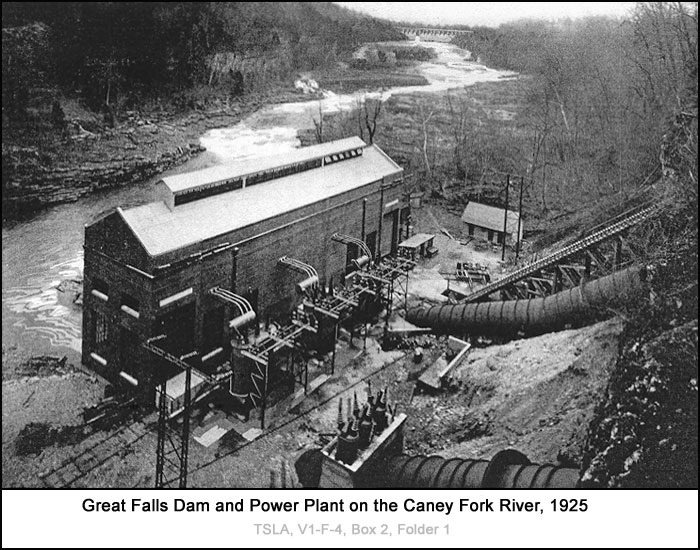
(39, 253)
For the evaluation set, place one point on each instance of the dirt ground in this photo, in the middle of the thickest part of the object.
(427, 281)
(125, 455)
(499, 406)
(47, 400)
(535, 395)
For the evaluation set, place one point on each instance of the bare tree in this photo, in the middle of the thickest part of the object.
(461, 136)
(372, 110)
(318, 124)
(358, 111)
(424, 147)
(541, 130)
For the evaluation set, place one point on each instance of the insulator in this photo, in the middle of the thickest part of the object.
(340, 414)
(365, 430)
(306, 284)
(242, 320)
(361, 262)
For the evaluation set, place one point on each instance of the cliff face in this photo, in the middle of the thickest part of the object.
(54, 149)
(646, 431)
(33, 185)
(80, 79)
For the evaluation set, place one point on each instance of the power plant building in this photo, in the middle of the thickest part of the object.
(161, 268)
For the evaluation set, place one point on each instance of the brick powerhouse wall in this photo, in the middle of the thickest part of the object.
(303, 234)
(308, 240)
(123, 350)
(122, 327)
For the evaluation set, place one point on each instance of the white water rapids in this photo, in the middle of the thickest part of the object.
(39, 253)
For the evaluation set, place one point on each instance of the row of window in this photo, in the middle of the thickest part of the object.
(207, 191)
(216, 188)
(282, 171)
(100, 328)
(179, 324)
(128, 303)
(352, 153)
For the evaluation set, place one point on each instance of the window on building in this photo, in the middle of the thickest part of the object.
(100, 286)
(131, 356)
(100, 328)
(212, 328)
(470, 227)
(490, 236)
(405, 221)
(394, 217)
(130, 305)
(261, 177)
(499, 237)
(352, 252)
(371, 240)
(178, 327)
(209, 190)
(252, 295)
(337, 157)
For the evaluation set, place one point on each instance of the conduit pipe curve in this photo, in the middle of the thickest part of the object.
(568, 309)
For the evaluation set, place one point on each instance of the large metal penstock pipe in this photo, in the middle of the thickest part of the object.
(573, 307)
(509, 469)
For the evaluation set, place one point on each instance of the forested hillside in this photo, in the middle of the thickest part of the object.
(117, 53)
(602, 115)
(612, 115)
(604, 92)
(100, 94)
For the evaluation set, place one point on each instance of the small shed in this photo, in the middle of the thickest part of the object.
(486, 222)
(175, 391)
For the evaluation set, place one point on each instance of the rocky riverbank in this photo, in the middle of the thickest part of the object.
(90, 156)
(48, 160)
(36, 186)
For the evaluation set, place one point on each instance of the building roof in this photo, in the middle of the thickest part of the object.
(161, 230)
(175, 387)
(246, 167)
(490, 217)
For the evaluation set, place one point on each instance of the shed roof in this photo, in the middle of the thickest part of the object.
(490, 217)
(181, 182)
(175, 387)
(161, 230)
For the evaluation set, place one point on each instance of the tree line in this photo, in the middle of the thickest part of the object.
(603, 96)
(105, 51)
(599, 100)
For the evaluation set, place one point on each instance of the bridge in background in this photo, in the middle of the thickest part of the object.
(433, 35)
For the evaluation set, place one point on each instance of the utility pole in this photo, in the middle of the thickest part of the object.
(185, 447)
(520, 218)
(176, 456)
(364, 216)
(505, 220)
(378, 253)
(264, 398)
